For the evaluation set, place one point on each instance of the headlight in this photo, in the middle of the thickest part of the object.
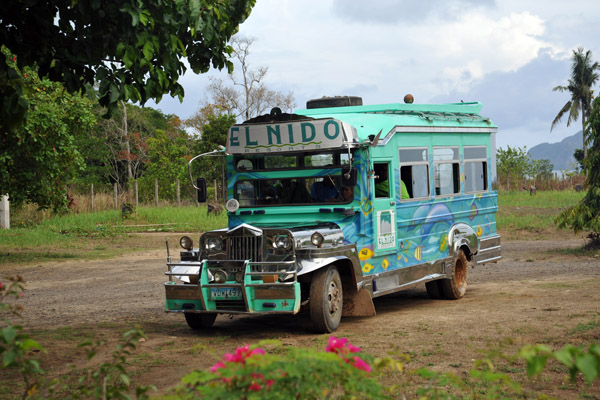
(239, 276)
(214, 243)
(282, 242)
(317, 239)
(186, 242)
(220, 276)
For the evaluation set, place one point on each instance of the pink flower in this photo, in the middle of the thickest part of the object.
(254, 387)
(336, 345)
(353, 349)
(270, 383)
(217, 366)
(360, 364)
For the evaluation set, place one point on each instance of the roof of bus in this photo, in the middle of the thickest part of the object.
(371, 119)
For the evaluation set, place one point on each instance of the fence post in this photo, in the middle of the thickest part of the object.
(178, 196)
(92, 197)
(115, 196)
(216, 192)
(4, 212)
(136, 193)
(156, 192)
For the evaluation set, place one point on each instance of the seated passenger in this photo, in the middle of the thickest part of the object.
(324, 191)
(347, 193)
(267, 193)
(404, 191)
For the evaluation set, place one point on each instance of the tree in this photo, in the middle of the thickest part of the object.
(134, 50)
(167, 153)
(586, 214)
(212, 126)
(583, 77)
(39, 160)
(253, 97)
(512, 164)
(578, 156)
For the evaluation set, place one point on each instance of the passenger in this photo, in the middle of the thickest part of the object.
(267, 193)
(347, 193)
(404, 191)
(382, 185)
(324, 191)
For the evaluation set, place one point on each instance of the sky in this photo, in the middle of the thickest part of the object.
(506, 54)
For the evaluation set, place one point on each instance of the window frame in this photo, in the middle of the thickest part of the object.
(484, 160)
(456, 169)
(424, 162)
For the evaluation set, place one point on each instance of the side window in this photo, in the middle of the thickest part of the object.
(382, 179)
(475, 169)
(414, 173)
(446, 170)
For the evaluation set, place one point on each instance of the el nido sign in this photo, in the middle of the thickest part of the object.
(293, 136)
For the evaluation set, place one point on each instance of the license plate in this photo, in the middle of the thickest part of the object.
(226, 293)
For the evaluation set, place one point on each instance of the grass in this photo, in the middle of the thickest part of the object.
(521, 215)
(97, 235)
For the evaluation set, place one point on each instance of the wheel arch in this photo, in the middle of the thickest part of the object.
(463, 237)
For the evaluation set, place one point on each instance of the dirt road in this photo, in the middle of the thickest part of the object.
(537, 294)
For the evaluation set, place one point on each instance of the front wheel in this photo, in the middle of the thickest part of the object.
(326, 299)
(456, 287)
(200, 321)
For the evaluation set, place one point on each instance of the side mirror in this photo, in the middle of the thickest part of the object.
(201, 189)
(349, 176)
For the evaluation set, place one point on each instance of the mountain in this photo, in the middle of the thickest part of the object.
(560, 154)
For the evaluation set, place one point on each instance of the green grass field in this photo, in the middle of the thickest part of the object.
(525, 216)
(106, 234)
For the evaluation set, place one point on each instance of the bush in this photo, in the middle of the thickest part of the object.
(286, 373)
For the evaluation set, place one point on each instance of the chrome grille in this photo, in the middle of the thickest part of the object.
(245, 248)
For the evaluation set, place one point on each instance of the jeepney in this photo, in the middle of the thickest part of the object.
(340, 203)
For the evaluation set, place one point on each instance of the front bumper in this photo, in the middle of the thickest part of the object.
(259, 289)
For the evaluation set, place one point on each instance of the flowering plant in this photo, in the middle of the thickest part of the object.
(284, 372)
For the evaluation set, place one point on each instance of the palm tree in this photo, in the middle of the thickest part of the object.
(583, 77)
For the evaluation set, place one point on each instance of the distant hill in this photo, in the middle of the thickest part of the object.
(560, 154)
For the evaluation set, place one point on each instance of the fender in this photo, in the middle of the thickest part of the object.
(462, 235)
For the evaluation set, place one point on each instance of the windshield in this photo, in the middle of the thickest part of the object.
(314, 178)
(307, 190)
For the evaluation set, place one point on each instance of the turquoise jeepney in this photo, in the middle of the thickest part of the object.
(340, 203)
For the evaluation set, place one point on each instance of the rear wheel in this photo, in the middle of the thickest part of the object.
(456, 287)
(326, 299)
(200, 321)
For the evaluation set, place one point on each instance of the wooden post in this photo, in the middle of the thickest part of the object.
(156, 192)
(178, 196)
(135, 186)
(4, 212)
(216, 192)
(92, 197)
(115, 196)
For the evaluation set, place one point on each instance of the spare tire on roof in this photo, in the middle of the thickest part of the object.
(336, 101)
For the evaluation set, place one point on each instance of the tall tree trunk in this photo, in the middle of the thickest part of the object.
(127, 146)
(583, 125)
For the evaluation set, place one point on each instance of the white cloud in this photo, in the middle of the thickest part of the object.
(507, 54)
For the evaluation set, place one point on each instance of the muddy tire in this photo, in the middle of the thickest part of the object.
(434, 290)
(456, 287)
(326, 300)
(200, 321)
